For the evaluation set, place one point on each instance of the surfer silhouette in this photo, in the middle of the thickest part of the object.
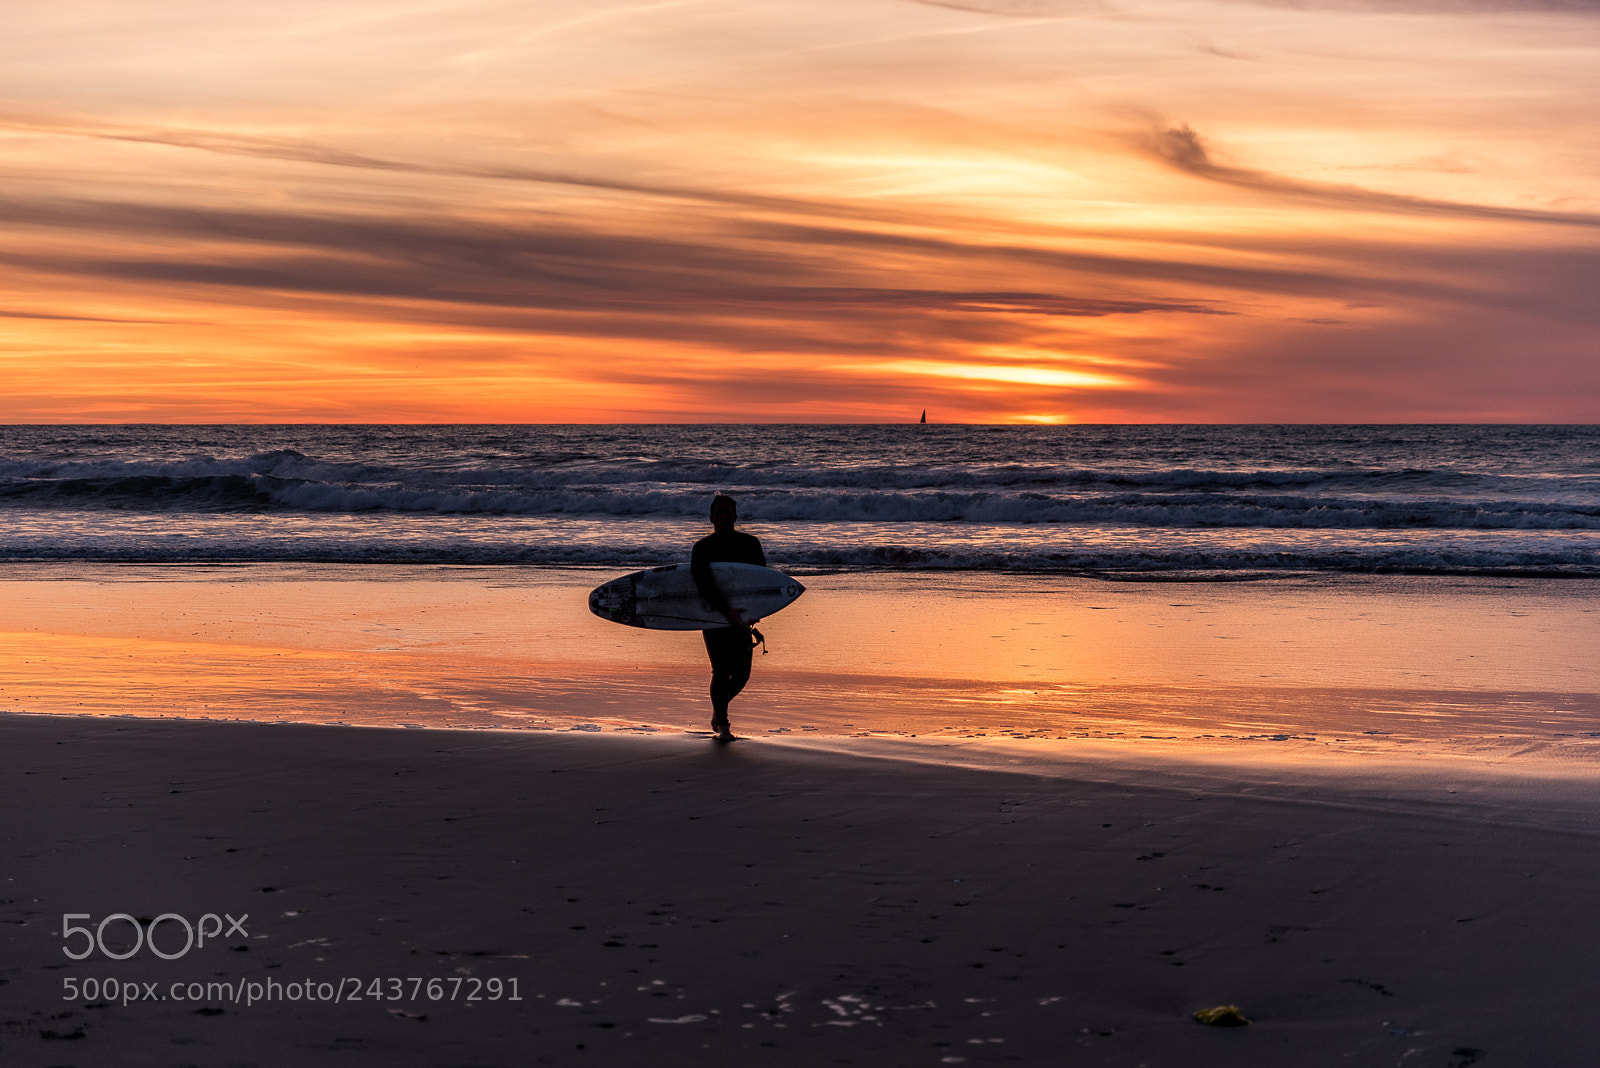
(728, 647)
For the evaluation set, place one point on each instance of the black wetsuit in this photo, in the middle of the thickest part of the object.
(729, 647)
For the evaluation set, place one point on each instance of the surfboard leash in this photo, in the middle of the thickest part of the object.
(756, 638)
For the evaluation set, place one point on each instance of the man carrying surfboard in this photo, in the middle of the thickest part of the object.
(728, 647)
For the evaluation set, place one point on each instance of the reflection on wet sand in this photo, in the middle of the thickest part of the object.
(1352, 664)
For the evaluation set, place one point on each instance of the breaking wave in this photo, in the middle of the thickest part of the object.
(1322, 498)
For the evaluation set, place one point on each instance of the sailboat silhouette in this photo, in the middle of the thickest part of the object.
(924, 418)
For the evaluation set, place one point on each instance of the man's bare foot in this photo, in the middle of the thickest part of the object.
(724, 735)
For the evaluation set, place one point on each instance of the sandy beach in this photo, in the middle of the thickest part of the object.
(658, 900)
(1360, 809)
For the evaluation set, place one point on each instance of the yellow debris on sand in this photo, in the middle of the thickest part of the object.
(1222, 1016)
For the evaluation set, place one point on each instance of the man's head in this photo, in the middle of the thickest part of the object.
(724, 512)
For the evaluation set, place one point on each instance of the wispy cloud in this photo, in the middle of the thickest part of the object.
(526, 264)
(1184, 149)
(1468, 7)
(296, 150)
(48, 317)
(1028, 9)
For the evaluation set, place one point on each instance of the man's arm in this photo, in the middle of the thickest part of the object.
(706, 583)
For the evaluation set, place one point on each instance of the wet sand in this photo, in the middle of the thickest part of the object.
(662, 900)
(1347, 666)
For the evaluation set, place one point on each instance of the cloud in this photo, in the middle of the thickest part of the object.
(296, 150)
(963, 301)
(1484, 365)
(1029, 9)
(1179, 262)
(1382, 7)
(74, 318)
(740, 280)
(554, 265)
(1183, 149)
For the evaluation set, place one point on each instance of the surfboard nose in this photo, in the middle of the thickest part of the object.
(793, 590)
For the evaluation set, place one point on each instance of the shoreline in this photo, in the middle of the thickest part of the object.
(1396, 773)
(659, 898)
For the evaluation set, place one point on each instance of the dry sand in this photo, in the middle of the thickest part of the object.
(659, 900)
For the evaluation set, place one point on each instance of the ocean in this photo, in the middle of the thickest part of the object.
(1139, 501)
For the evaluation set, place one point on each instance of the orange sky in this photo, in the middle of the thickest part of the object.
(793, 210)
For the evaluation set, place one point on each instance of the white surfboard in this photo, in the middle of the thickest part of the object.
(666, 598)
